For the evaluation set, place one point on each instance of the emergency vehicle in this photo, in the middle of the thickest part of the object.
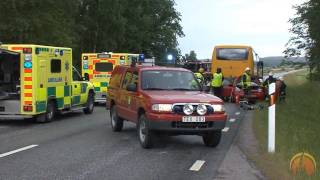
(127, 58)
(39, 81)
(99, 66)
(164, 100)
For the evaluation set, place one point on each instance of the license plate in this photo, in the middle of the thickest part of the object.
(193, 119)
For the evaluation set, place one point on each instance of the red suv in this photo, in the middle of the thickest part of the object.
(164, 100)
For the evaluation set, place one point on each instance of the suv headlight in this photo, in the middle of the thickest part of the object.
(218, 108)
(201, 109)
(188, 109)
(162, 107)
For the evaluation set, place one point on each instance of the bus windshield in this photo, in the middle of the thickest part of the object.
(232, 54)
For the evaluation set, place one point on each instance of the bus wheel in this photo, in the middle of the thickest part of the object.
(49, 115)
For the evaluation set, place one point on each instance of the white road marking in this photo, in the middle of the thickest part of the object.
(197, 165)
(17, 150)
(237, 113)
(226, 129)
(232, 120)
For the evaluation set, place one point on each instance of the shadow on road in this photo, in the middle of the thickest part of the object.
(32, 122)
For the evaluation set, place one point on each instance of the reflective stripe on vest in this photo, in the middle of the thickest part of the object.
(217, 80)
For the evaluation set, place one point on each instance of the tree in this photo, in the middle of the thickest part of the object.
(192, 56)
(136, 26)
(306, 39)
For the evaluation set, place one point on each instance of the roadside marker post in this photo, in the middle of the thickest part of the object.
(272, 119)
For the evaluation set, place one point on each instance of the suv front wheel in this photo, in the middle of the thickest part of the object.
(144, 133)
(212, 139)
(116, 121)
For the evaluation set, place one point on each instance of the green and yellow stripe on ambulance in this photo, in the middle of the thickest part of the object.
(62, 96)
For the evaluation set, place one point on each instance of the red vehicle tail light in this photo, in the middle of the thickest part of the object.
(27, 108)
(27, 50)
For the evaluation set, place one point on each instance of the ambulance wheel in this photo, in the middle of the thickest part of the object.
(49, 114)
(116, 121)
(90, 104)
(212, 139)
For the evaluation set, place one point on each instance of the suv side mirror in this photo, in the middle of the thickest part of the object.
(132, 87)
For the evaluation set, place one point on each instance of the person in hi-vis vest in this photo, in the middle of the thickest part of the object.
(246, 81)
(217, 83)
(199, 76)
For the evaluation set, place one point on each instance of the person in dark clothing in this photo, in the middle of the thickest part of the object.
(283, 87)
(269, 80)
(267, 83)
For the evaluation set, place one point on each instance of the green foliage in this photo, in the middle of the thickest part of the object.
(192, 56)
(297, 126)
(138, 26)
(306, 28)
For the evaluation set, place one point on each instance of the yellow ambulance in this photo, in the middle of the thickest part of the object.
(99, 66)
(38, 81)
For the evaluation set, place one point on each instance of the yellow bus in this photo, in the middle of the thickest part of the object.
(233, 59)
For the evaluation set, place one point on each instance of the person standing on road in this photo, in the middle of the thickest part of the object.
(216, 83)
(199, 76)
(246, 80)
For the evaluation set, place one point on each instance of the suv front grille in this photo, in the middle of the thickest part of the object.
(178, 109)
(192, 125)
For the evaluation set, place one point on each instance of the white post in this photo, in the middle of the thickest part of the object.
(272, 120)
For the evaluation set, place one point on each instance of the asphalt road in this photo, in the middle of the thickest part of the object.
(78, 146)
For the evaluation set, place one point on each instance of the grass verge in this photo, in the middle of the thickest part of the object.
(297, 128)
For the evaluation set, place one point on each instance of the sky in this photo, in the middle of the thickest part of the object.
(262, 24)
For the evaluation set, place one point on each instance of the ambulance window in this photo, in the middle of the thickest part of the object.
(104, 67)
(76, 75)
(55, 66)
(126, 80)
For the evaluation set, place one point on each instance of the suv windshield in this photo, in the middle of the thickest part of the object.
(169, 80)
